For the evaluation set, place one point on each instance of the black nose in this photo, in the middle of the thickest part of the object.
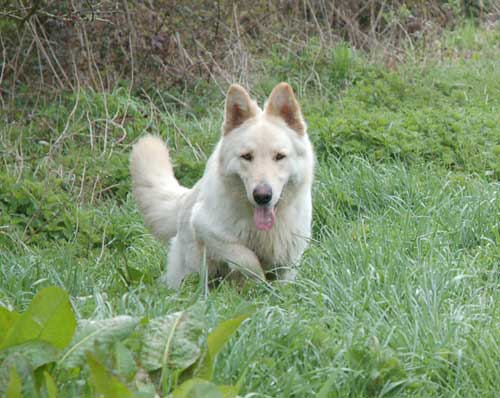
(262, 194)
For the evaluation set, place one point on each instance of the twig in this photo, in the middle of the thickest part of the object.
(71, 115)
(68, 81)
(44, 53)
(4, 62)
(34, 8)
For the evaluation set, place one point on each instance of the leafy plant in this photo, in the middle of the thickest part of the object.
(49, 318)
(31, 340)
(45, 342)
(93, 334)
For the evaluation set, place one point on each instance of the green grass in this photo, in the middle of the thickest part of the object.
(398, 294)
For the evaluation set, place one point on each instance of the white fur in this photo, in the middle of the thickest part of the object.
(217, 213)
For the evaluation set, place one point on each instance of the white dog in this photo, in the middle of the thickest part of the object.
(252, 208)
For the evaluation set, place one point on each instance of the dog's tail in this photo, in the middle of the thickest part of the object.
(155, 188)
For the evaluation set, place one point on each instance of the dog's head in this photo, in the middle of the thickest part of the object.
(268, 150)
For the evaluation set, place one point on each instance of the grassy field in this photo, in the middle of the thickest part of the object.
(398, 294)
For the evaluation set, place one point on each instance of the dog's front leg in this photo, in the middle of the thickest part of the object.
(237, 256)
(221, 248)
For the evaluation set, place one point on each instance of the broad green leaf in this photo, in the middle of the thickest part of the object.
(145, 390)
(229, 391)
(175, 340)
(49, 317)
(9, 378)
(124, 362)
(36, 352)
(221, 334)
(216, 340)
(7, 319)
(105, 384)
(14, 388)
(92, 333)
(198, 388)
(52, 310)
(22, 330)
(50, 385)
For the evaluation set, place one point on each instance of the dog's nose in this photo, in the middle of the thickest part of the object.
(262, 194)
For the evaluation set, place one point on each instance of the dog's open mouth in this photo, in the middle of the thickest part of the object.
(264, 217)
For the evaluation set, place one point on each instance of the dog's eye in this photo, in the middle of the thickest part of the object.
(247, 156)
(280, 156)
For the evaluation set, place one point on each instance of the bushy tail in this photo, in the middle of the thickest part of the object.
(155, 188)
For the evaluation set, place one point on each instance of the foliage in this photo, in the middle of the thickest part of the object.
(180, 44)
(37, 343)
(49, 318)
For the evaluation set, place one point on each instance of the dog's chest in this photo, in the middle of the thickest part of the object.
(284, 244)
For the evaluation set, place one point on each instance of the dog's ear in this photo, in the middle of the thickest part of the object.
(282, 104)
(239, 108)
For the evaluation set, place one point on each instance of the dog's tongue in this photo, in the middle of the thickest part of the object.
(263, 218)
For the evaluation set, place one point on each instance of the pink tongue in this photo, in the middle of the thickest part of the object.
(263, 218)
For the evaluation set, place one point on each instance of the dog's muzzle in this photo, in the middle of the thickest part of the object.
(263, 215)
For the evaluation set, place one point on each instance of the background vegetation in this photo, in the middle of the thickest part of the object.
(398, 294)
